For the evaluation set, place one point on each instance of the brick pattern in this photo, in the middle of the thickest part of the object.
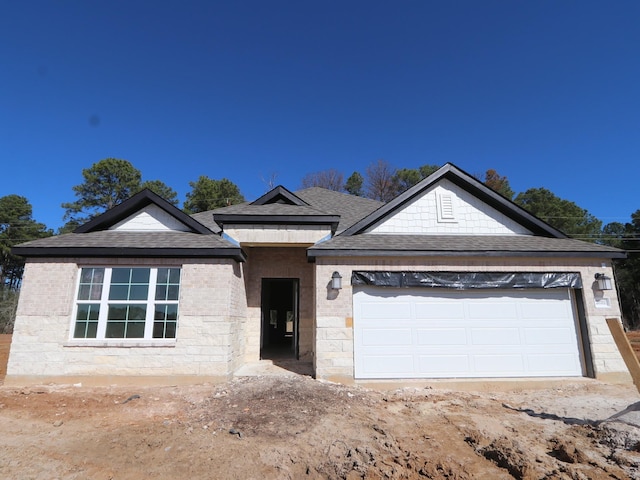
(237, 316)
(209, 338)
(470, 216)
(334, 333)
(279, 262)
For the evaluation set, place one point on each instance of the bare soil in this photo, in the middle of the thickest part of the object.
(296, 427)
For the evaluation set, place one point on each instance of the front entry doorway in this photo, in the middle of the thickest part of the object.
(279, 336)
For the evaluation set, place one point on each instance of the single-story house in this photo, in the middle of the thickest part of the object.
(448, 280)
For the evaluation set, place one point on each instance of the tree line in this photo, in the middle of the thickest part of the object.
(110, 181)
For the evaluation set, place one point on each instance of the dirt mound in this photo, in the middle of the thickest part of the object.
(296, 427)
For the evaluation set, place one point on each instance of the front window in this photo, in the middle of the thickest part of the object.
(127, 302)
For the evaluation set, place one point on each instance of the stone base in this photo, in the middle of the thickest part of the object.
(615, 377)
(109, 380)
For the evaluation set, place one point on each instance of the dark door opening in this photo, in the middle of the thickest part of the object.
(279, 336)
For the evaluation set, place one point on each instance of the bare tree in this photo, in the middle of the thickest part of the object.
(270, 181)
(330, 179)
(381, 184)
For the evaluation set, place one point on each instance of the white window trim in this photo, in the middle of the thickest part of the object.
(100, 340)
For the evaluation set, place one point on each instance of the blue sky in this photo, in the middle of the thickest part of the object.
(545, 92)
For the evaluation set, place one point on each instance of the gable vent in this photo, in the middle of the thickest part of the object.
(445, 208)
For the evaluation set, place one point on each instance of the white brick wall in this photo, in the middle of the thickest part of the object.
(210, 324)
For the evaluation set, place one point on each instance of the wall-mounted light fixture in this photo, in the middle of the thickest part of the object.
(604, 282)
(336, 281)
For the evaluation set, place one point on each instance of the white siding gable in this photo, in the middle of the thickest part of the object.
(446, 209)
(150, 219)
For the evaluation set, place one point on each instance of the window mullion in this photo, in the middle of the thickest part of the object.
(151, 308)
(104, 304)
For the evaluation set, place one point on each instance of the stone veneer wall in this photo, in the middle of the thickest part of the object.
(334, 314)
(209, 335)
(279, 262)
(238, 316)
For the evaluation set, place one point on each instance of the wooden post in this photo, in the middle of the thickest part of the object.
(628, 355)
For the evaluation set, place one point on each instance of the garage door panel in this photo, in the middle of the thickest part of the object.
(381, 310)
(507, 364)
(551, 309)
(449, 365)
(491, 310)
(413, 333)
(387, 336)
(441, 336)
(495, 336)
(381, 366)
(437, 309)
(546, 336)
(545, 350)
(560, 364)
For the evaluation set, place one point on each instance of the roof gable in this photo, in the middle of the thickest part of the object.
(145, 225)
(279, 195)
(144, 207)
(151, 218)
(447, 209)
(504, 216)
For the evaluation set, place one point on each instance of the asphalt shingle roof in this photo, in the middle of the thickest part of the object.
(268, 210)
(351, 208)
(115, 238)
(130, 243)
(206, 218)
(461, 244)
(321, 201)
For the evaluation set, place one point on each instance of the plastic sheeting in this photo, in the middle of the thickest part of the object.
(467, 280)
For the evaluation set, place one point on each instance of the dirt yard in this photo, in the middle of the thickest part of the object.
(296, 427)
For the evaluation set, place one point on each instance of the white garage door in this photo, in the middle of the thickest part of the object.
(440, 333)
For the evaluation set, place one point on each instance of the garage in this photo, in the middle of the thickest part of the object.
(449, 333)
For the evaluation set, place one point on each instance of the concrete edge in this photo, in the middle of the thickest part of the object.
(473, 384)
(623, 378)
(482, 384)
